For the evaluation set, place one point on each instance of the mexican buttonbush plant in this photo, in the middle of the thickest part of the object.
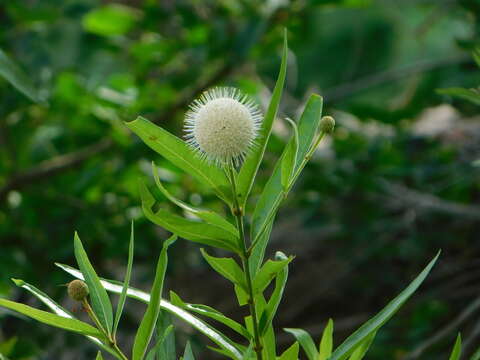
(225, 139)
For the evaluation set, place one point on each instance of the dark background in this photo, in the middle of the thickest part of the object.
(396, 182)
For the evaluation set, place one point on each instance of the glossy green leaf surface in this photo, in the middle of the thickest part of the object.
(51, 319)
(188, 354)
(197, 231)
(179, 153)
(291, 353)
(290, 156)
(126, 282)
(210, 313)
(457, 349)
(362, 349)
(326, 343)
(56, 308)
(250, 167)
(99, 298)
(147, 326)
(372, 325)
(306, 342)
(206, 215)
(268, 272)
(227, 267)
(216, 336)
(273, 192)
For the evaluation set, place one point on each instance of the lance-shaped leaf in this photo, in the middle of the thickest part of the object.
(160, 343)
(197, 231)
(123, 295)
(268, 272)
(326, 343)
(273, 192)
(372, 325)
(472, 95)
(274, 301)
(99, 356)
(145, 331)
(306, 342)
(57, 309)
(51, 319)
(250, 167)
(99, 297)
(15, 76)
(457, 349)
(291, 353)
(179, 153)
(206, 215)
(227, 267)
(213, 334)
(188, 354)
(289, 158)
(210, 313)
(362, 349)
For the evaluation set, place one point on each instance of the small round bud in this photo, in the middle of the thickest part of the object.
(327, 124)
(77, 290)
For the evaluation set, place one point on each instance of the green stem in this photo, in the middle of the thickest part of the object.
(237, 211)
(111, 342)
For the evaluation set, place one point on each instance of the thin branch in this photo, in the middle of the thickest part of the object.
(342, 91)
(445, 331)
(53, 166)
(415, 198)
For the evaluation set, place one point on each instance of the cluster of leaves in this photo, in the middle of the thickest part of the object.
(120, 60)
(213, 230)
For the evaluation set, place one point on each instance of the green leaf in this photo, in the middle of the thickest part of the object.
(213, 334)
(250, 167)
(268, 272)
(306, 342)
(362, 349)
(160, 343)
(56, 308)
(15, 76)
(273, 192)
(274, 301)
(179, 153)
(372, 325)
(123, 295)
(51, 319)
(291, 353)
(307, 129)
(471, 95)
(289, 158)
(111, 19)
(326, 344)
(209, 312)
(197, 231)
(99, 356)
(145, 331)
(99, 297)
(167, 350)
(188, 354)
(206, 215)
(227, 267)
(457, 349)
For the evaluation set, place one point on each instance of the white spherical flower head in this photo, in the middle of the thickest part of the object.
(222, 124)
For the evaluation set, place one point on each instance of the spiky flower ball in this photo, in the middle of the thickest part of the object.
(77, 290)
(222, 125)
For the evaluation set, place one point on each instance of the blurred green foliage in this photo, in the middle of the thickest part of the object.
(398, 182)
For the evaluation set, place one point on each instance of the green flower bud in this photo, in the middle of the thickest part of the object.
(327, 124)
(77, 290)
